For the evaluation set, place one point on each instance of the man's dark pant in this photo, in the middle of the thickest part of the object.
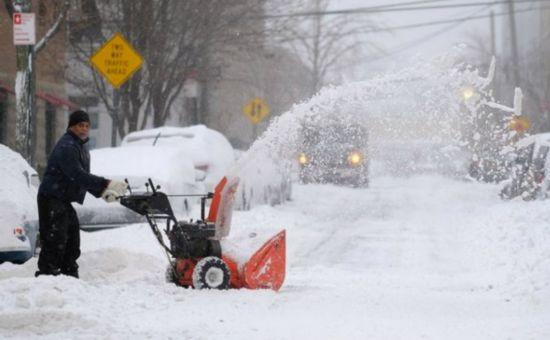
(59, 237)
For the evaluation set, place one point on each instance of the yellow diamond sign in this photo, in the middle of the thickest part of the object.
(256, 110)
(116, 60)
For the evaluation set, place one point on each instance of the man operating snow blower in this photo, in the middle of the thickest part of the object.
(66, 180)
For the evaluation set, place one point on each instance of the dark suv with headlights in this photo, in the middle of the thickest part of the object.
(334, 153)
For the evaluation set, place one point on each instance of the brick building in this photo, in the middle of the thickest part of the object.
(51, 105)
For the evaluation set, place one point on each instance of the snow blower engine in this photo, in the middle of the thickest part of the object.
(194, 249)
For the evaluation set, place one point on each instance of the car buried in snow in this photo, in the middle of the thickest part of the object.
(167, 166)
(19, 218)
(334, 153)
(528, 166)
(208, 150)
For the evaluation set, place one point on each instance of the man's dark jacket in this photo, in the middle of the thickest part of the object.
(67, 176)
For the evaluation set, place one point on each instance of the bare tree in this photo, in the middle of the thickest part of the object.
(25, 79)
(324, 41)
(175, 38)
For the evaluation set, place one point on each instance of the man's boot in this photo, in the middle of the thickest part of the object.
(54, 272)
(73, 273)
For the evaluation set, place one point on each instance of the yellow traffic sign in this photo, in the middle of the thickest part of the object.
(256, 110)
(116, 60)
(519, 124)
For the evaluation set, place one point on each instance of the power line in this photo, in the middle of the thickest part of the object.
(429, 23)
(398, 49)
(410, 44)
(448, 21)
(416, 2)
(344, 11)
(426, 38)
(394, 8)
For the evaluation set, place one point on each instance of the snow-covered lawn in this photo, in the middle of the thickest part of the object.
(408, 258)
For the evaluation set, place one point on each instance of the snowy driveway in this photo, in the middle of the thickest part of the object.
(416, 258)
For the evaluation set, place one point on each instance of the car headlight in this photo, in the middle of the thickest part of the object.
(303, 159)
(355, 158)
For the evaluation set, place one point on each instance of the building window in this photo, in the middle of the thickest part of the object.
(3, 116)
(50, 126)
(94, 121)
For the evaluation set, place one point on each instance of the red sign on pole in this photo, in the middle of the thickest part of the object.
(17, 19)
(24, 29)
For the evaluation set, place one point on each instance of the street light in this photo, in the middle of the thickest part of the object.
(303, 159)
(468, 92)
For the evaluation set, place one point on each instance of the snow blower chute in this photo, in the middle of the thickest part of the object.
(194, 251)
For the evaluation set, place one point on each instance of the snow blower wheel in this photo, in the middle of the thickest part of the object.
(211, 273)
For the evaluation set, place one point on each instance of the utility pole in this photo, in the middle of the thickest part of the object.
(496, 86)
(114, 117)
(25, 85)
(317, 36)
(514, 43)
(25, 79)
(493, 35)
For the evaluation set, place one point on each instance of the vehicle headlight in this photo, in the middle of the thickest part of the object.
(303, 159)
(355, 158)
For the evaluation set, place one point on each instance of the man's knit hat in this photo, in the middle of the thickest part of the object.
(78, 116)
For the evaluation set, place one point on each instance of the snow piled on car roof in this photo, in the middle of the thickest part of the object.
(142, 161)
(206, 148)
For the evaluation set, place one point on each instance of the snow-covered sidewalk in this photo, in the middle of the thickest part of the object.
(408, 258)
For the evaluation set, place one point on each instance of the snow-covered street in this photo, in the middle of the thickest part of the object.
(305, 169)
(423, 257)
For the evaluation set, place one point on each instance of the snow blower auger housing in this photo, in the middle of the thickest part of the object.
(194, 250)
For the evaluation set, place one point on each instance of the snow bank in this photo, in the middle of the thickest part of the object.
(262, 182)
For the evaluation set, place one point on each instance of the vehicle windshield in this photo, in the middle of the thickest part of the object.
(334, 137)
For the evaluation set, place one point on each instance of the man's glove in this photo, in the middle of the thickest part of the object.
(114, 190)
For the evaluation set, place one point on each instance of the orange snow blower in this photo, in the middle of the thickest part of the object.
(194, 250)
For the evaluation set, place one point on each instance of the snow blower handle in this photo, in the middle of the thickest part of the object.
(129, 187)
(152, 185)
